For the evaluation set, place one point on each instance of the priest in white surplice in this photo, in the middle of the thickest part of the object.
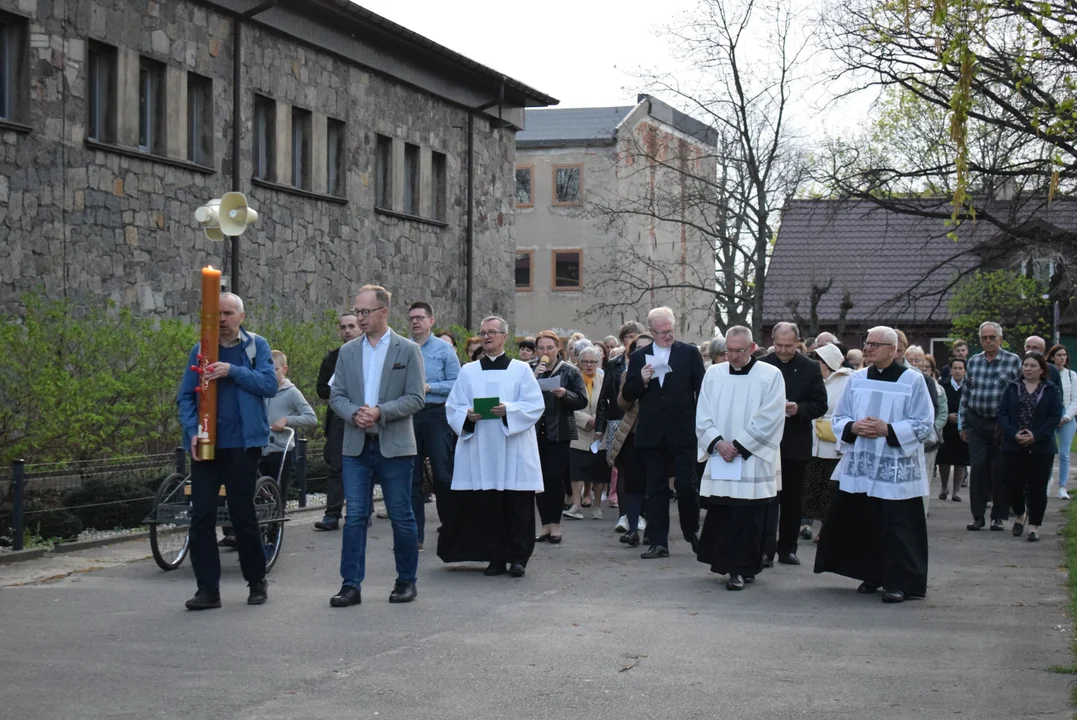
(497, 470)
(740, 419)
(876, 531)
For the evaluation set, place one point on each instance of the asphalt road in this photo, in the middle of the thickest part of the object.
(591, 632)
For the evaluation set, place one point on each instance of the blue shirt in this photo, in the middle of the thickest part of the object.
(229, 421)
(373, 361)
(442, 368)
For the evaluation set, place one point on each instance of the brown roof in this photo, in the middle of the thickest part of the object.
(897, 267)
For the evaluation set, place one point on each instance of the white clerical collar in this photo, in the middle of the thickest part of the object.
(662, 352)
(491, 358)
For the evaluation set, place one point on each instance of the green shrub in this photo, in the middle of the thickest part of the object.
(97, 503)
(42, 520)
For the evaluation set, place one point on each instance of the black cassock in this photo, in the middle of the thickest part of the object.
(882, 542)
(489, 525)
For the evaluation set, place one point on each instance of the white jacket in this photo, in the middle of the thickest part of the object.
(1069, 394)
(584, 438)
(835, 386)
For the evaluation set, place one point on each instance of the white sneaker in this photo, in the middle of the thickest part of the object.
(575, 512)
(1062, 494)
(642, 524)
(596, 512)
(622, 524)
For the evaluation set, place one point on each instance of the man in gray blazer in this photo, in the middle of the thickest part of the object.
(377, 386)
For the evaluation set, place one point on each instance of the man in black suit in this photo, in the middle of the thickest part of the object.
(665, 379)
(348, 325)
(805, 396)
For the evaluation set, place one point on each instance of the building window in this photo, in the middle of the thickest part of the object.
(101, 93)
(265, 112)
(525, 196)
(439, 186)
(301, 122)
(567, 184)
(334, 157)
(383, 172)
(567, 269)
(199, 119)
(525, 270)
(151, 106)
(12, 80)
(411, 179)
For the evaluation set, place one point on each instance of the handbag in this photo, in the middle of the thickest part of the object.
(611, 432)
(824, 430)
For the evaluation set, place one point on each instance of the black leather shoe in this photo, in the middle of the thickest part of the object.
(1018, 529)
(346, 597)
(259, 592)
(228, 541)
(893, 596)
(693, 540)
(955, 498)
(655, 551)
(631, 539)
(327, 523)
(749, 579)
(943, 496)
(736, 582)
(204, 600)
(997, 526)
(517, 570)
(555, 539)
(404, 592)
(867, 588)
(542, 538)
(494, 568)
(768, 561)
(1033, 536)
(977, 524)
(788, 559)
(805, 533)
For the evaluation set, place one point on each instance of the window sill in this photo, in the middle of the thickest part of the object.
(567, 289)
(292, 190)
(406, 216)
(15, 127)
(149, 157)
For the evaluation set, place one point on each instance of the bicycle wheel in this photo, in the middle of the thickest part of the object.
(170, 535)
(269, 510)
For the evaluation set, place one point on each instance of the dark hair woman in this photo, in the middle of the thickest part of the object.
(1029, 414)
(954, 452)
(1059, 357)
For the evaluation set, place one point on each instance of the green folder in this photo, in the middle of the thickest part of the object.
(483, 407)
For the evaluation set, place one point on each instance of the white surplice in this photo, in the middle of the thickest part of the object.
(872, 465)
(749, 409)
(497, 455)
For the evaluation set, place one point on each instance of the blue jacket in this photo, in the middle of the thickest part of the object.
(255, 383)
(1044, 421)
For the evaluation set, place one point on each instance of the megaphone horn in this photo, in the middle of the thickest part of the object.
(208, 216)
(235, 215)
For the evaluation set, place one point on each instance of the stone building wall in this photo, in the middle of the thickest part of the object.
(94, 221)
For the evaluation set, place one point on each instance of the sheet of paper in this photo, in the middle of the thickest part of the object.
(596, 446)
(331, 379)
(549, 384)
(722, 470)
(661, 367)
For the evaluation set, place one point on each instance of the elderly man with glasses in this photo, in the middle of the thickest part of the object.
(988, 374)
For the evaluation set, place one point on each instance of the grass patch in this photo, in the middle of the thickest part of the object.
(1069, 546)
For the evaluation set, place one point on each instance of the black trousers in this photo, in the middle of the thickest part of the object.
(986, 477)
(656, 460)
(269, 465)
(237, 470)
(555, 471)
(433, 440)
(333, 454)
(1028, 473)
(783, 517)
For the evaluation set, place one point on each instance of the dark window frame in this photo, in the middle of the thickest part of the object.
(530, 170)
(152, 131)
(302, 143)
(579, 186)
(101, 79)
(200, 132)
(530, 270)
(383, 172)
(413, 178)
(263, 156)
(439, 185)
(578, 252)
(336, 145)
(14, 63)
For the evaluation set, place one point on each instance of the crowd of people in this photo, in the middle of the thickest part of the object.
(764, 443)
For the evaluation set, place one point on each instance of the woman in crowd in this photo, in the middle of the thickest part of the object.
(917, 359)
(555, 430)
(604, 356)
(526, 350)
(1060, 357)
(1029, 414)
(588, 468)
(631, 480)
(473, 348)
(818, 487)
(715, 352)
(954, 452)
(855, 358)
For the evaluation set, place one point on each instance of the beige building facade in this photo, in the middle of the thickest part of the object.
(604, 221)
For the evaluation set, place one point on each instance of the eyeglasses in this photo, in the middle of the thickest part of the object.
(876, 345)
(588, 362)
(735, 351)
(416, 318)
(365, 312)
(490, 333)
(989, 338)
(663, 333)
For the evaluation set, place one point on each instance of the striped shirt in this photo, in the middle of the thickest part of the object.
(985, 383)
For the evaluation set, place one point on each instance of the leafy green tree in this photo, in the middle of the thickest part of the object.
(1013, 300)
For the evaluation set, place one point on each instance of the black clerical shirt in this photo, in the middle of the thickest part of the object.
(890, 373)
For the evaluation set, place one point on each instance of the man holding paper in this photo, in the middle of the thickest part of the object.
(493, 408)
(740, 420)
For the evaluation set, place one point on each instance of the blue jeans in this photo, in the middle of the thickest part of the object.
(1065, 440)
(394, 475)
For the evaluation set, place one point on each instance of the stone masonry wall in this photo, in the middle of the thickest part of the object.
(95, 224)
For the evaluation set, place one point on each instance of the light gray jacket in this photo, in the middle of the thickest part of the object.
(402, 394)
(289, 404)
